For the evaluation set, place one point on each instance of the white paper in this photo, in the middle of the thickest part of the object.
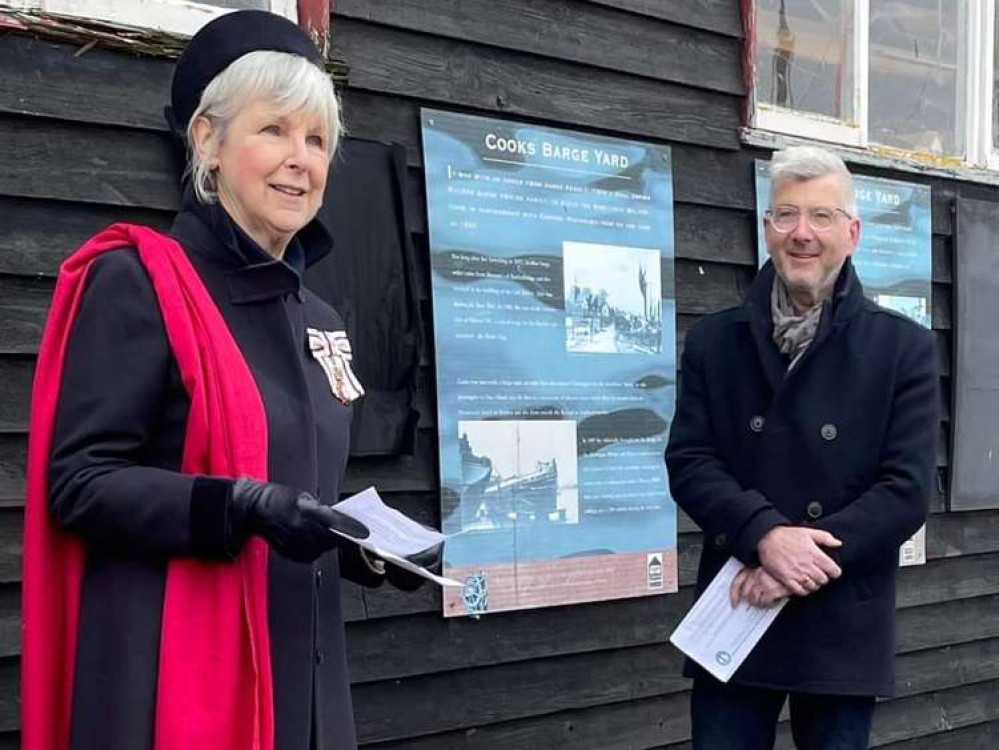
(913, 552)
(393, 535)
(715, 635)
(390, 530)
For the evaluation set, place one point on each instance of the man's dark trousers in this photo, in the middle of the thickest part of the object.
(735, 717)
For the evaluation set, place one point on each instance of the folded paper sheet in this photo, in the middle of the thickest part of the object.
(393, 535)
(718, 636)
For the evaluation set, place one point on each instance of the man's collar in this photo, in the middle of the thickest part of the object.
(847, 296)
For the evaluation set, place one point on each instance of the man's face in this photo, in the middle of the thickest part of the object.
(808, 260)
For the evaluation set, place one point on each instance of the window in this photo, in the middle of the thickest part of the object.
(912, 78)
(171, 16)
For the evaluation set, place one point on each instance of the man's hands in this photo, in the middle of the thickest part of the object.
(757, 587)
(794, 556)
(793, 563)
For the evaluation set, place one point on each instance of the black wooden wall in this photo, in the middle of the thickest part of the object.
(82, 144)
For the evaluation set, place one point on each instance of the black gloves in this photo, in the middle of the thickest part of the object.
(294, 523)
(429, 558)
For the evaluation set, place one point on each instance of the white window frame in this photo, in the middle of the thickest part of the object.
(816, 126)
(976, 57)
(985, 86)
(181, 17)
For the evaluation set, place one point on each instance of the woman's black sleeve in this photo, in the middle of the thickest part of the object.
(119, 433)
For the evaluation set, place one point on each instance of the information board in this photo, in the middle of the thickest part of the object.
(555, 338)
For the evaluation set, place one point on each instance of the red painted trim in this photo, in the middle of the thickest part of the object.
(748, 8)
(314, 17)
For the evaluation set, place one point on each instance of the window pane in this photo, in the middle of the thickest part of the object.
(804, 55)
(916, 100)
(995, 85)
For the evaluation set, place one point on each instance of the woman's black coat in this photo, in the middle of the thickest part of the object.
(115, 482)
(845, 441)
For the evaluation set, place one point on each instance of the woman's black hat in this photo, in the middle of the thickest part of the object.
(220, 43)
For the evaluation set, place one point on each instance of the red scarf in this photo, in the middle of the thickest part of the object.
(214, 683)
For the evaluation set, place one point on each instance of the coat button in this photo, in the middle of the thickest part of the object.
(814, 509)
(319, 579)
(756, 423)
(319, 656)
(829, 431)
(721, 540)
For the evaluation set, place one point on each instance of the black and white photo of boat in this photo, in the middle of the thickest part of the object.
(517, 472)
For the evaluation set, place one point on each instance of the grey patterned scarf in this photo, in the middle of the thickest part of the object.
(793, 331)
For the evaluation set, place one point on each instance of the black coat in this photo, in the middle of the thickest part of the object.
(114, 481)
(845, 441)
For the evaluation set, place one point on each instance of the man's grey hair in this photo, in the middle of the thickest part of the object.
(800, 163)
(289, 83)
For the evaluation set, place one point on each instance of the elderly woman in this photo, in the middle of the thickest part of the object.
(189, 432)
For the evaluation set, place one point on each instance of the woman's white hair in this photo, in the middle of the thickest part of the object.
(287, 82)
(808, 163)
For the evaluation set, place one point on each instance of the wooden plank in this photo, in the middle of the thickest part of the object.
(714, 235)
(975, 190)
(13, 456)
(11, 546)
(942, 306)
(421, 252)
(632, 724)
(703, 288)
(463, 699)
(951, 666)
(943, 261)
(16, 374)
(25, 305)
(662, 720)
(10, 620)
(585, 34)
(38, 235)
(715, 178)
(944, 342)
(491, 80)
(957, 621)
(946, 383)
(948, 579)
(933, 712)
(942, 195)
(722, 16)
(416, 473)
(974, 737)
(10, 695)
(978, 736)
(382, 117)
(88, 163)
(352, 601)
(386, 649)
(922, 715)
(969, 533)
(46, 79)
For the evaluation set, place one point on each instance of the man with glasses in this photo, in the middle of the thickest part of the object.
(804, 445)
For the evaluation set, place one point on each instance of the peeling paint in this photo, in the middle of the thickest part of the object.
(883, 157)
(87, 34)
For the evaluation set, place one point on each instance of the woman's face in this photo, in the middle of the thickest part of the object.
(272, 173)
